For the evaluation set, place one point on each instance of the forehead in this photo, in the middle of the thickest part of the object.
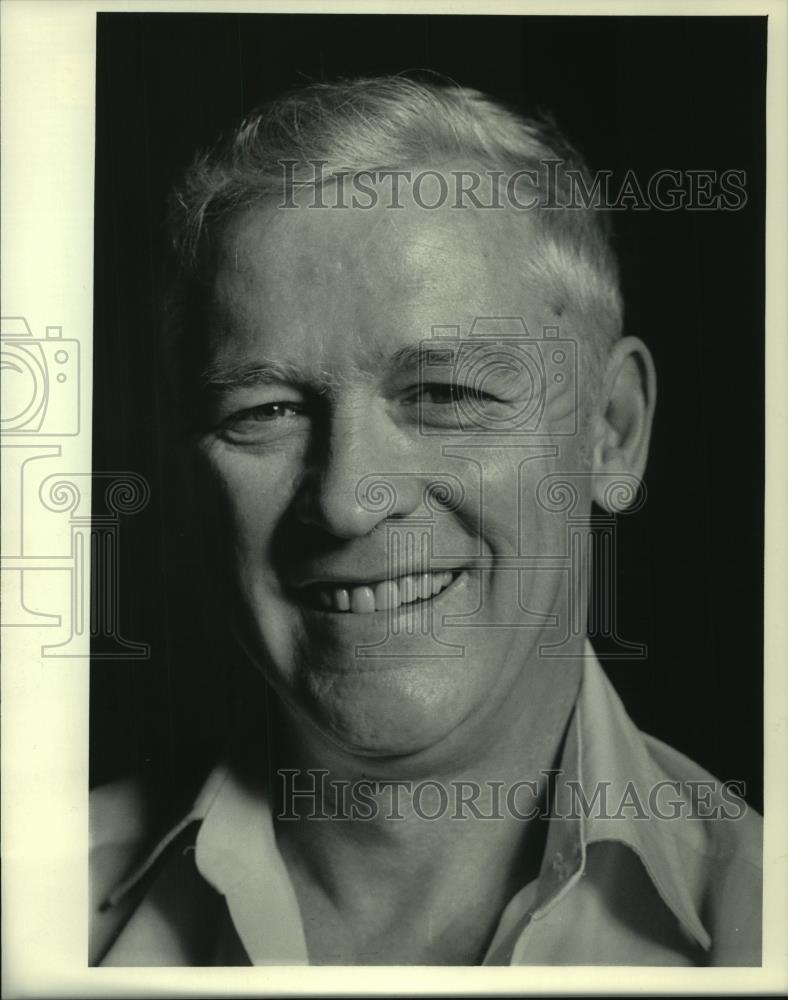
(330, 286)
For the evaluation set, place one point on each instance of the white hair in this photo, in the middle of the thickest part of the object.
(392, 123)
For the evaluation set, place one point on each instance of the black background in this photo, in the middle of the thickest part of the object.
(636, 93)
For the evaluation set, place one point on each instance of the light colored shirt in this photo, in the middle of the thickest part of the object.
(665, 871)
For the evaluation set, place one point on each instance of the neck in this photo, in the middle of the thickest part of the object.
(424, 826)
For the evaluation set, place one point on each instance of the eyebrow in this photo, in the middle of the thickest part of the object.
(224, 376)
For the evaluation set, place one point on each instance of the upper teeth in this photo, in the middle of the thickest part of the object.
(366, 598)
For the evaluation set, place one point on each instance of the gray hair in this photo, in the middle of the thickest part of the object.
(391, 123)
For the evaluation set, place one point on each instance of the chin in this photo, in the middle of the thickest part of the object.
(395, 711)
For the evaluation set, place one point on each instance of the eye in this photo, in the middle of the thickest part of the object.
(265, 422)
(269, 411)
(454, 406)
(451, 394)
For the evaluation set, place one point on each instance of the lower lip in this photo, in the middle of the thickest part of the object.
(411, 606)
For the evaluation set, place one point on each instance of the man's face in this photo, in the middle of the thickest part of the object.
(395, 616)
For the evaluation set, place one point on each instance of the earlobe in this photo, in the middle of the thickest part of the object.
(622, 424)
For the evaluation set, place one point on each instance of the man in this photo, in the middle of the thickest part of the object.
(399, 344)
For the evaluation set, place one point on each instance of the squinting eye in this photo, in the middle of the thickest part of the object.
(453, 405)
(449, 393)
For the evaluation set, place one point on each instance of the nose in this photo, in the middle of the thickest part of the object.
(359, 478)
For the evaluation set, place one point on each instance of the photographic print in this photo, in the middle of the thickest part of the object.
(420, 550)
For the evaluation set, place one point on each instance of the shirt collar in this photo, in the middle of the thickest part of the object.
(602, 747)
(249, 871)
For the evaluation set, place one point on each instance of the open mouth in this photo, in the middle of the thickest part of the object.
(381, 595)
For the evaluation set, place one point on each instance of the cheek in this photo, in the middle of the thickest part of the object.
(523, 497)
(500, 503)
(246, 495)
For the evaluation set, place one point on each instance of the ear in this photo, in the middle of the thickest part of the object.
(622, 423)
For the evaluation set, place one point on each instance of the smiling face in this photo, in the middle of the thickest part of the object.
(376, 478)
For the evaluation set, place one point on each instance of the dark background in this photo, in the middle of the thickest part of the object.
(636, 93)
